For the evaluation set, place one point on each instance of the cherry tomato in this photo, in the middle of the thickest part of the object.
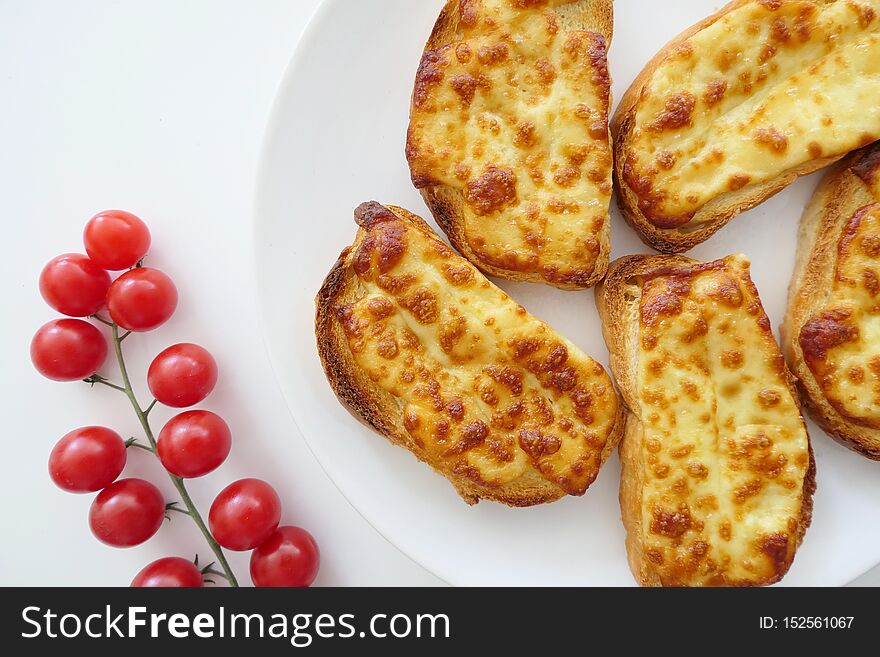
(182, 375)
(68, 350)
(87, 459)
(244, 514)
(116, 239)
(74, 285)
(127, 513)
(194, 443)
(289, 557)
(170, 572)
(142, 299)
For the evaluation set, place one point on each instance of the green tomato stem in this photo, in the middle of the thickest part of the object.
(177, 481)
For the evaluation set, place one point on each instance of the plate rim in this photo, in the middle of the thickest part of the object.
(273, 121)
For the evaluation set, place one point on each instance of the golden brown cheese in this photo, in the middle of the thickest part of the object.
(765, 88)
(485, 388)
(841, 342)
(724, 450)
(867, 169)
(514, 115)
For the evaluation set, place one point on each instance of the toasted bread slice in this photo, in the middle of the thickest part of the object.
(717, 472)
(429, 353)
(831, 333)
(738, 106)
(508, 138)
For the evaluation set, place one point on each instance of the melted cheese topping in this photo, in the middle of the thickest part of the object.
(490, 392)
(841, 342)
(765, 88)
(724, 451)
(514, 115)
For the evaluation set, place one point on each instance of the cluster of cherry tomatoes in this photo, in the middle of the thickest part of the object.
(127, 512)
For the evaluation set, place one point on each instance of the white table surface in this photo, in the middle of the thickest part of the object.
(159, 108)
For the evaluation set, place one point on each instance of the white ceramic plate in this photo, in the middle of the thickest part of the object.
(336, 138)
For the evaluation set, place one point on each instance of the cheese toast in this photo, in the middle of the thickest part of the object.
(717, 472)
(428, 352)
(737, 107)
(508, 138)
(831, 332)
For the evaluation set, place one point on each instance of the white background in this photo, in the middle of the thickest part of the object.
(158, 108)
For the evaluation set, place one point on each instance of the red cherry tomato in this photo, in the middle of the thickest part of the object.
(170, 572)
(182, 375)
(141, 299)
(87, 459)
(116, 239)
(194, 443)
(74, 285)
(127, 513)
(244, 514)
(68, 350)
(289, 557)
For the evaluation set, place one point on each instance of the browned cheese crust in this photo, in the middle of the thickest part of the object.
(508, 138)
(717, 471)
(831, 327)
(420, 346)
(737, 107)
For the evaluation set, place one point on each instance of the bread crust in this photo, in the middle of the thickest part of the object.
(617, 300)
(718, 212)
(382, 412)
(448, 205)
(841, 193)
